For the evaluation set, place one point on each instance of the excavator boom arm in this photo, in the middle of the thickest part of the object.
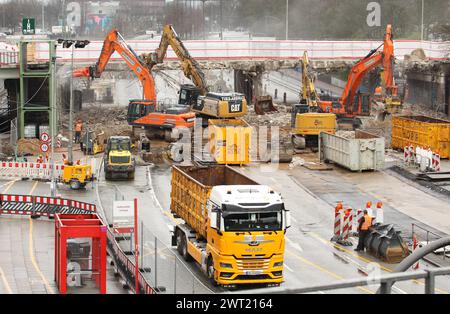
(114, 42)
(189, 65)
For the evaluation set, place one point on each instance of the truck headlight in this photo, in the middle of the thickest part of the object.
(226, 265)
(277, 264)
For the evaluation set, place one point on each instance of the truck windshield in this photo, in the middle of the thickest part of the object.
(120, 145)
(253, 221)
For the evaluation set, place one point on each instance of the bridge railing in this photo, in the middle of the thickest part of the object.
(261, 49)
(9, 58)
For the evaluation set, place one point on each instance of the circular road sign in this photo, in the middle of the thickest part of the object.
(44, 147)
(45, 137)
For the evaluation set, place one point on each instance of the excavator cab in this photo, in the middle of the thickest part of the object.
(188, 95)
(138, 109)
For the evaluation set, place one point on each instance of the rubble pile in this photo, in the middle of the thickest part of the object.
(282, 118)
(111, 120)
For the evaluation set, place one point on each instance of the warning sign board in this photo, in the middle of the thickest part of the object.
(123, 217)
(45, 137)
(44, 147)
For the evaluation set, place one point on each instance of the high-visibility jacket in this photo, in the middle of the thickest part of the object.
(367, 222)
(78, 127)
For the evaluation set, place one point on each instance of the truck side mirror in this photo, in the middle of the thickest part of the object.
(213, 220)
(287, 215)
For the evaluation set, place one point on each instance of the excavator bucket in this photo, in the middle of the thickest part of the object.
(264, 104)
(385, 243)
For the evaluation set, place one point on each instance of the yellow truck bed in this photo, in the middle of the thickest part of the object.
(191, 187)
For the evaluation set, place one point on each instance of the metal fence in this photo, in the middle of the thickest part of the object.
(165, 270)
(425, 236)
(384, 282)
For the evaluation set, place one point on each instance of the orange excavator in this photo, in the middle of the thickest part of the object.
(354, 103)
(147, 113)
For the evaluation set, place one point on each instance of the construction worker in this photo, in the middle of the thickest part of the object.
(363, 229)
(78, 129)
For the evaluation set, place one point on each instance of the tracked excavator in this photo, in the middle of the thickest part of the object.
(204, 103)
(228, 137)
(156, 118)
(307, 118)
(353, 103)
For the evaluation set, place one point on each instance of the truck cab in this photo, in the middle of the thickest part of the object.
(118, 159)
(247, 226)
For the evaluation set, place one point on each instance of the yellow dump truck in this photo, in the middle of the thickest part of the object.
(229, 141)
(233, 227)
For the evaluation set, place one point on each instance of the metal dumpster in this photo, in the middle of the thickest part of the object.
(421, 131)
(364, 152)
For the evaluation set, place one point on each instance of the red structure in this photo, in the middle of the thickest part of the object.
(80, 226)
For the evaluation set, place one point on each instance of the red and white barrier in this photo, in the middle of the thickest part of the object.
(337, 222)
(42, 205)
(30, 170)
(379, 218)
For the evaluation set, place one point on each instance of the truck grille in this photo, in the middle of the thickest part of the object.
(252, 264)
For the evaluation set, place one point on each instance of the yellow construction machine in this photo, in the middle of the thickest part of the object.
(77, 176)
(307, 120)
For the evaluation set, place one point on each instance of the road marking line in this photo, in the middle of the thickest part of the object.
(2, 273)
(288, 268)
(366, 260)
(5, 281)
(329, 272)
(293, 244)
(31, 251)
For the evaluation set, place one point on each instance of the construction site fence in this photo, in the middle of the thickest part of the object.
(169, 272)
(125, 266)
(42, 205)
(30, 170)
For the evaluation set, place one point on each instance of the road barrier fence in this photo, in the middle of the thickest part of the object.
(42, 205)
(31, 170)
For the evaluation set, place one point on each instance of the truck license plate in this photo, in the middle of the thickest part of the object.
(253, 272)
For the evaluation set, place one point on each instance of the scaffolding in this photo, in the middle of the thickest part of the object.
(35, 106)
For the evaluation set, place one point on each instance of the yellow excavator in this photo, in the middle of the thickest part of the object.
(203, 102)
(307, 120)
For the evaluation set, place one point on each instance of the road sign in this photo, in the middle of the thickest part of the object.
(123, 217)
(44, 147)
(28, 26)
(45, 137)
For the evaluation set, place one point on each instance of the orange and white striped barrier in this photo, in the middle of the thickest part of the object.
(337, 222)
(436, 162)
(379, 217)
(344, 238)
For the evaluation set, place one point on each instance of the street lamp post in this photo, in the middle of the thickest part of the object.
(421, 29)
(287, 19)
(72, 44)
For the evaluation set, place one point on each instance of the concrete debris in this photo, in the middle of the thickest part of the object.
(296, 162)
(346, 134)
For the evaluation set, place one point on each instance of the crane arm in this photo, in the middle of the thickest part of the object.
(114, 42)
(189, 65)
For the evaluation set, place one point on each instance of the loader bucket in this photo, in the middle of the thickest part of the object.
(264, 104)
(385, 243)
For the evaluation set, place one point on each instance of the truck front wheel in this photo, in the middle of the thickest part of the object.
(182, 246)
(75, 184)
(210, 271)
